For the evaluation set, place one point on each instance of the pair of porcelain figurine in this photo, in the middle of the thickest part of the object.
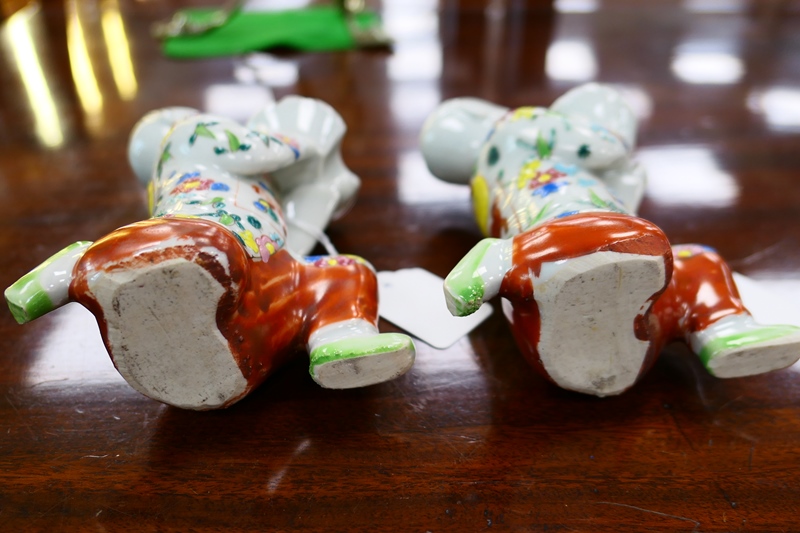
(200, 303)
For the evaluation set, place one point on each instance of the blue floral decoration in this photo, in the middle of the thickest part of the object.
(547, 189)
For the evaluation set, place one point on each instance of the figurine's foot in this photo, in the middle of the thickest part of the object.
(46, 287)
(588, 309)
(736, 346)
(478, 276)
(361, 361)
(160, 310)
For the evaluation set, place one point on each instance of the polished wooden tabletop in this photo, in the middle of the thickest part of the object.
(471, 438)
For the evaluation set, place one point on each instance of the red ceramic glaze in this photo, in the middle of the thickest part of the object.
(571, 237)
(700, 290)
(268, 309)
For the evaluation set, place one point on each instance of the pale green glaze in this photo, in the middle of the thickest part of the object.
(465, 282)
(31, 296)
(743, 340)
(358, 347)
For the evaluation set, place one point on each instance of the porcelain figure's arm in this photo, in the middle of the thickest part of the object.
(604, 106)
(147, 137)
(317, 130)
(318, 187)
(182, 138)
(454, 134)
(628, 184)
(240, 150)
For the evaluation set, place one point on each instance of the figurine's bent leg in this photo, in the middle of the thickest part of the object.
(736, 346)
(160, 289)
(345, 347)
(46, 287)
(353, 354)
(478, 276)
(715, 323)
(581, 290)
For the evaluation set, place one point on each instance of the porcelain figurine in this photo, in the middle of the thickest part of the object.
(200, 303)
(591, 291)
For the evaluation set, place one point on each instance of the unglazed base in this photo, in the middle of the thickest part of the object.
(588, 307)
(362, 361)
(163, 336)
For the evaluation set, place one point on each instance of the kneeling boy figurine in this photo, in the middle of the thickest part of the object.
(592, 292)
(199, 304)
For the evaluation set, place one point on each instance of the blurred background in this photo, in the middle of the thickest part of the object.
(696, 72)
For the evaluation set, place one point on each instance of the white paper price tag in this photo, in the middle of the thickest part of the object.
(767, 305)
(413, 299)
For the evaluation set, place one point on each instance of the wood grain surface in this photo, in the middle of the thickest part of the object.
(471, 439)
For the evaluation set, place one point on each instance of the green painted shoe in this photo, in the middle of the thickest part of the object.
(46, 287)
(361, 361)
(741, 347)
(477, 277)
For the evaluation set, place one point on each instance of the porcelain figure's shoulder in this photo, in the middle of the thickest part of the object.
(548, 134)
(536, 165)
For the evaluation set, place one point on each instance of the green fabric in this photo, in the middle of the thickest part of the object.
(312, 29)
